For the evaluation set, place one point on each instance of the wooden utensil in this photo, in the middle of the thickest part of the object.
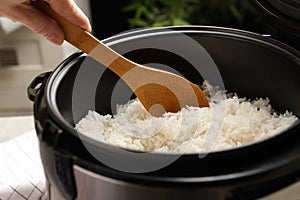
(159, 91)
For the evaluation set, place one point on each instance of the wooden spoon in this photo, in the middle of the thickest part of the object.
(159, 91)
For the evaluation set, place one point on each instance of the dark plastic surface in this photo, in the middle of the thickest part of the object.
(281, 19)
(33, 89)
(291, 8)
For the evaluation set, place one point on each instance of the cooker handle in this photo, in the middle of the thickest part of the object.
(35, 86)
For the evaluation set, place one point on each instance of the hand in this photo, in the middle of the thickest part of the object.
(22, 11)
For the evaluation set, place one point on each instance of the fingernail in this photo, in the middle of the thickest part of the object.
(88, 27)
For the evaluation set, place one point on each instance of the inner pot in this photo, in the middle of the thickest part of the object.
(246, 63)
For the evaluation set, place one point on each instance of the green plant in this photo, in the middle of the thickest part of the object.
(233, 13)
(154, 13)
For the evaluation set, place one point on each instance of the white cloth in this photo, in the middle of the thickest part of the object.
(21, 171)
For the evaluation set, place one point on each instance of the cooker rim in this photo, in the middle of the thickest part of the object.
(62, 69)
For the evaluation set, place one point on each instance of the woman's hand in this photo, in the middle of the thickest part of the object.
(23, 11)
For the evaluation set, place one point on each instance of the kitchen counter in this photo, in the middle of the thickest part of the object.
(12, 127)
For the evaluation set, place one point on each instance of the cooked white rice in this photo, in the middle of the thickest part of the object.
(229, 122)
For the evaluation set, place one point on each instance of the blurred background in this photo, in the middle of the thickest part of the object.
(117, 16)
(24, 54)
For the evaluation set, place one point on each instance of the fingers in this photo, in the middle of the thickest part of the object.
(37, 22)
(69, 10)
(22, 11)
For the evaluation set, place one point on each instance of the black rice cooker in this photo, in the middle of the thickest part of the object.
(252, 65)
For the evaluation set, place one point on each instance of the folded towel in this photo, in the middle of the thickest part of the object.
(21, 171)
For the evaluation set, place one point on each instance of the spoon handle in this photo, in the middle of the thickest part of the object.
(87, 43)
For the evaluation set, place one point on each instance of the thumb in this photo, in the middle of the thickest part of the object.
(70, 11)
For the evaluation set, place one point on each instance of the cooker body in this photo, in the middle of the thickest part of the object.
(246, 63)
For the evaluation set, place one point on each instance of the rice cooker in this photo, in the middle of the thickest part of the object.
(252, 65)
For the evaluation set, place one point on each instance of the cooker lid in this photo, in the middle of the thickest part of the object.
(291, 8)
(283, 10)
(281, 19)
